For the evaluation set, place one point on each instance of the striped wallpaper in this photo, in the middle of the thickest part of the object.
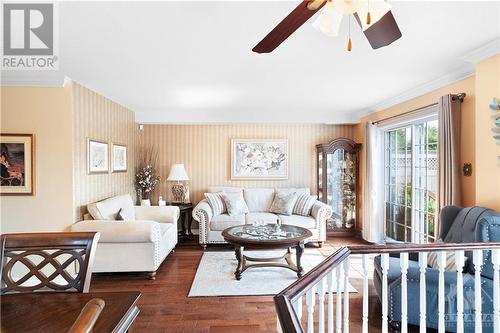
(100, 118)
(205, 151)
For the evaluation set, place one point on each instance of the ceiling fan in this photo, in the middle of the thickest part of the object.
(373, 16)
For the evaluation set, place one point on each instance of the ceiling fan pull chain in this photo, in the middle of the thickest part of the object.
(368, 15)
(349, 43)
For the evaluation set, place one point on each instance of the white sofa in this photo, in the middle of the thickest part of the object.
(259, 202)
(137, 244)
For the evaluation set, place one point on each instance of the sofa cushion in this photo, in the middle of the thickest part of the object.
(225, 189)
(216, 202)
(108, 209)
(235, 203)
(223, 221)
(394, 271)
(304, 204)
(298, 190)
(450, 266)
(299, 221)
(258, 199)
(267, 218)
(283, 203)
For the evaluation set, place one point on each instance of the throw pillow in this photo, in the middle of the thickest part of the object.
(119, 215)
(235, 203)
(304, 204)
(216, 203)
(432, 261)
(283, 203)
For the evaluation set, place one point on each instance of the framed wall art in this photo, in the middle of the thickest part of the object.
(254, 159)
(17, 161)
(119, 157)
(97, 156)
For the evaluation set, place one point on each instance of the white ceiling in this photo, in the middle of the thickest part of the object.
(191, 62)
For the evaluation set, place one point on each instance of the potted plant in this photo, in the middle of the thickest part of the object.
(146, 178)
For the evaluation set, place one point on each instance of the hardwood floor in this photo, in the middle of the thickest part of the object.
(165, 306)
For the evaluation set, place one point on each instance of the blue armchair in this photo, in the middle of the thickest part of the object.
(458, 225)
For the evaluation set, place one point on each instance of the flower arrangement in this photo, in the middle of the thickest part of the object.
(146, 178)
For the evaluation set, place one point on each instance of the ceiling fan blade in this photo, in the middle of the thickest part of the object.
(382, 33)
(287, 27)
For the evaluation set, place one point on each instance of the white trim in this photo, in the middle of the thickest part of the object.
(457, 75)
(484, 52)
(32, 79)
(427, 114)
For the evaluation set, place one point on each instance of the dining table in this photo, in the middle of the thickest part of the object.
(57, 311)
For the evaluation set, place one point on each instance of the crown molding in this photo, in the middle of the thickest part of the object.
(420, 90)
(171, 117)
(33, 78)
(483, 52)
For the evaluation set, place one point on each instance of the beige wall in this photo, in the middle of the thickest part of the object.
(100, 118)
(205, 151)
(468, 139)
(45, 112)
(488, 173)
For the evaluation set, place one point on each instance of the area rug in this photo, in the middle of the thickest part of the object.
(215, 275)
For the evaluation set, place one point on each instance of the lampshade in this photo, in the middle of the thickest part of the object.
(330, 17)
(178, 173)
(328, 21)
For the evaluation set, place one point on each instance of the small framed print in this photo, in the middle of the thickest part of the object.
(119, 157)
(97, 156)
(17, 161)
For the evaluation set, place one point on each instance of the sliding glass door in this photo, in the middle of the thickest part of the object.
(410, 155)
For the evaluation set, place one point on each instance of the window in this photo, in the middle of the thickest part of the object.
(411, 181)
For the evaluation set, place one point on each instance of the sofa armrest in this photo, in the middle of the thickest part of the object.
(321, 211)
(202, 213)
(162, 214)
(121, 231)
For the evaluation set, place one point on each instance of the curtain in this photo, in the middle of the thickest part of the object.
(449, 151)
(373, 193)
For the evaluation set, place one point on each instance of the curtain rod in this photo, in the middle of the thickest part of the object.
(454, 97)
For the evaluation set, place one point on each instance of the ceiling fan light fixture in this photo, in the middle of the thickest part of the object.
(329, 20)
(347, 7)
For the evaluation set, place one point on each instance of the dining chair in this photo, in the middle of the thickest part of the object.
(55, 261)
(88, 316)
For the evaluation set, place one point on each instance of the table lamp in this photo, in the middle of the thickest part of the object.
(178, 174)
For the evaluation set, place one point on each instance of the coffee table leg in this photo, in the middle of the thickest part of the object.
(299, 250)
(238, 250)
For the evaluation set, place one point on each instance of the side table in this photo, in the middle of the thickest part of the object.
(186, 218)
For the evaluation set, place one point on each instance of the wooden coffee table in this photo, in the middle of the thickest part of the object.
(269, 236)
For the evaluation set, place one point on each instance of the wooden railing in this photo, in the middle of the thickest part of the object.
(334, 271)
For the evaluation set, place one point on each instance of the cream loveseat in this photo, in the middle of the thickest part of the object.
(139, 242)
(259, 202)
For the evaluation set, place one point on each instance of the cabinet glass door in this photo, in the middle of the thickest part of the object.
(341, 188)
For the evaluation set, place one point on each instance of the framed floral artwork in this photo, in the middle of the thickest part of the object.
(97, 156)
(17, 161)
(254, 159)
(119, 157)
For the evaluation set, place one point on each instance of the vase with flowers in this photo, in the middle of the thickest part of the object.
(146, 177)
